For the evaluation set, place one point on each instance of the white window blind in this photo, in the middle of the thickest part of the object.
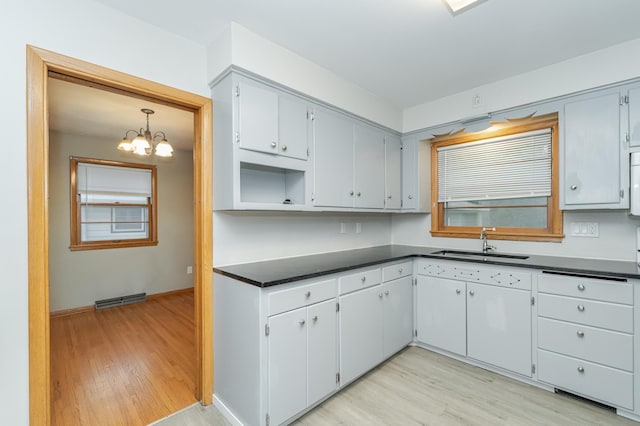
(103, 182)
(513, 166)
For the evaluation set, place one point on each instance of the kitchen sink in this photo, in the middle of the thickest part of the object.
(473, 254)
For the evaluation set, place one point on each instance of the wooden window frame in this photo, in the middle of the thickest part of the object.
(152, 205)
(553, 231)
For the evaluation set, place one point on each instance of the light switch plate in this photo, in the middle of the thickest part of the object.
(585, 229)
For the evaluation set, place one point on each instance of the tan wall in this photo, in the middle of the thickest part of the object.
(80, 278)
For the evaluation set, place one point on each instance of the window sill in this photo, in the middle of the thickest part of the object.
(511, 235)
(112, 244)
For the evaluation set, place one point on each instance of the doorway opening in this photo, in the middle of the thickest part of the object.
(39, 64)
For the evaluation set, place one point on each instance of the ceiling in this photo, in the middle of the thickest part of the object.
(83, 110)
(409, 51)
(406, 52)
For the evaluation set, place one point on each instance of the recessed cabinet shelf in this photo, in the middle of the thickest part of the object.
(264, 184)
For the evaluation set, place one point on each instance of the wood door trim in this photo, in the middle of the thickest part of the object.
(39, 63)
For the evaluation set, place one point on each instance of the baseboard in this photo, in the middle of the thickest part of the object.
(170, 293)
(83, 309)
(226, 413)
(72, 311)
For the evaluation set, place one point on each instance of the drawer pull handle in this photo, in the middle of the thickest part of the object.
(580, 369)
(400, 270)
(580, 334)
(307, 294)
(380, 295)
(302, 322)
(386, 293)
(273, 144)
(581, 308)
(458, 291)
(581, 287)
(574, 187)
(314, 318)
(363, 279)
(284, 147)
(471, 292)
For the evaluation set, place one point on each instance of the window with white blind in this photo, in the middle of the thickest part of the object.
(113, 204)
(504, 177)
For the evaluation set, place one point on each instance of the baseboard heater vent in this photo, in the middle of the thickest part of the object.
(120, 301)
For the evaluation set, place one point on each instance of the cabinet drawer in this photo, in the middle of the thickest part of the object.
(591, 380)
(359, 280)
(587, 288)
(303, 295)
(588, 312)
(396, 271)
(588, 343)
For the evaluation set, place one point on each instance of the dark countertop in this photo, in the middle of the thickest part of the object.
(280, 271)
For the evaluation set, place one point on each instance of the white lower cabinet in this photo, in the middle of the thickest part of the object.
(360, 332)
(397, 315)
(441, 318)
(499, 327)
(302, 357)
(488, 321)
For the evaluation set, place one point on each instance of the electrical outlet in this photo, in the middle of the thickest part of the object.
(585, 229)
(476, 101)
(189, 269)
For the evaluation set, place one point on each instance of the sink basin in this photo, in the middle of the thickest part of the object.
(473, 254)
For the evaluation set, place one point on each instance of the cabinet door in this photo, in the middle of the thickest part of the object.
(287, 345)
(593, 166)
(360, 332)
(634, 116)
(393, 171)
(499, 327)
(368, 167)
(258, 118)
(397, 314)
(409, 174)
(333, 160)
(442, 314)
(322, 350)
(292, 127)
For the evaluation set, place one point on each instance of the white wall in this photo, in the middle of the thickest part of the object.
(89, 31)
(252, 236)
(243, 48)
(79, 278)
(616, 63)
(617, 239)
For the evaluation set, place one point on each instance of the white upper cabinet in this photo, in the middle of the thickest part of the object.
(416, 177)
(393, 173)
(596, 164)
(368, 167)
(633, 100)
(270, 121)
(332, 159)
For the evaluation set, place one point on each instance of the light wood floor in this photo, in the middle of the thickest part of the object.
(419, 387)
(128, 365)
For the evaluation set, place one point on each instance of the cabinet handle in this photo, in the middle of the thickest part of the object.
(458, 291)
(400, 270)
(284, 147)
(410, 197)
(380, 295)
(273, 144)
(471, 292)
(390, 196)
(302, 322)
(351, 193)
(581, 287)
(580, 369)
(386, 293)
(580, 333)
(314, 318)
(363, 279)
(359, 194)
(574, 187)
(307, 294)
(581, 308)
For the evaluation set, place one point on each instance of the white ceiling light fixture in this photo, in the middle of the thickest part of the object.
(459, 6)
(143, 143)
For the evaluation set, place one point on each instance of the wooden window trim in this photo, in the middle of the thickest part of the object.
(553, 232)
(76, 242)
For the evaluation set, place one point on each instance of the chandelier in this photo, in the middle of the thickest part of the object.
(145, 143)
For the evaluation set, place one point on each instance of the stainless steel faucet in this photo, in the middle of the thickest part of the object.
(483, 236)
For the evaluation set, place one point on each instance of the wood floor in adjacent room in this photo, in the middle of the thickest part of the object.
(128, 365)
